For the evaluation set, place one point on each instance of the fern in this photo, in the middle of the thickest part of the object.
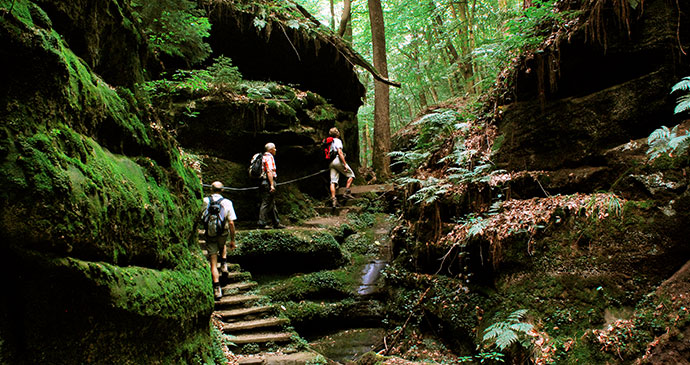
(431, 190)
(683, 102)
(478, 228)
(504, 334)
(665, 140)
(683, 85)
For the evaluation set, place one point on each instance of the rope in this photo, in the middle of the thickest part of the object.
(280, 183)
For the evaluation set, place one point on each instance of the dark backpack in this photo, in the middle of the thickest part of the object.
(329, 154)
(256, 166)
(214, 218)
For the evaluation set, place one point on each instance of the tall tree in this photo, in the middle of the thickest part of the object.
(332, 15)
(345, 20)
(382, 128)
(466, 36)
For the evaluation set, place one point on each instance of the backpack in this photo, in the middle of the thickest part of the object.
(256, 166)
(329, 154)
(214, 218)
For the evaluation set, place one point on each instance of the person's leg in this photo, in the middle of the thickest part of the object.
(350, 177)
(224, 259)
(335, 176)
(265, 206)
(213, 260)
(273, 211)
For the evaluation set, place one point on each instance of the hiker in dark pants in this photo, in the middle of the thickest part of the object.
(217, 244)
(339, 166)
(268, 214)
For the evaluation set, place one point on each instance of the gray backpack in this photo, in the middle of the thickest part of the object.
(214, 218)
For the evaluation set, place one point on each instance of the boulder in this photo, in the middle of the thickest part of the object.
(98, 250)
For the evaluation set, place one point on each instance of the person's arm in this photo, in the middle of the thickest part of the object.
(341, 156)
(270, 181)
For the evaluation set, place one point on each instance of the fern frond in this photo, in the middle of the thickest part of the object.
(517, 315)
(493, 331)
(683, 84)
(660, 134)
(478, 227)
(678, 143)
(521, 327)
(683, 104)
(506, 339)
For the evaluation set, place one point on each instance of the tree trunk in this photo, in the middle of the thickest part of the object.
(332, 16)
(462, 16)
(438, 29)
(345, 19)
(365, 145)
(382, 128)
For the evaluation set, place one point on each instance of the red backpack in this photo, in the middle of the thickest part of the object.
(329, 154)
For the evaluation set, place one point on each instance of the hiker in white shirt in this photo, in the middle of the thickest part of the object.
(339, 166)
(217, 244)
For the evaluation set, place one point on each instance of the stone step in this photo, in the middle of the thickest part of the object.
(241, 312)
(338, 210)
(261, 338)
(237, 300)
(253, 324)
(236, 276)
(362, 189)
(239, 286)
(254, 360)
(280, 358)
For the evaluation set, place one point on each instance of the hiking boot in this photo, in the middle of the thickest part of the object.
(279, 226)
(334, 203)
(224, 268)
(217, 291)
(348, 194)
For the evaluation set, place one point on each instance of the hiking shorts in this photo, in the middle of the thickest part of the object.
(337, 168)
(214, 245)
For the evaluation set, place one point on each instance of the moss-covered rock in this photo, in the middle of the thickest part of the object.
(331, 285)
(287, 251)
(97, 208)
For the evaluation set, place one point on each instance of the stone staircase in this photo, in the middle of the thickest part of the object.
(247, 321)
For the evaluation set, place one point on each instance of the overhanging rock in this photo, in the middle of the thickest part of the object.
(267, 46)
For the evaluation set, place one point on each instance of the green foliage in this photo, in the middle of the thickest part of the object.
(174, 27)
(504, 334)
(317, 360)
(683, 102)
(664, 140)
(218, 78)
(435, 127)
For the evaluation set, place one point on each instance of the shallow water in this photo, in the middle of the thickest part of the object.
(370, 273)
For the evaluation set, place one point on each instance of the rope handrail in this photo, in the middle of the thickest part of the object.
(280, 183)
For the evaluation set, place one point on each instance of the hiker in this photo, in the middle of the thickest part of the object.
(268, 214)
(217, 226)
(339, 166)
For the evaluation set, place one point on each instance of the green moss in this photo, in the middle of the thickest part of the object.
(322, 113)
(318, 285)
(276, 250)
(20, 10)
(281, 108)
